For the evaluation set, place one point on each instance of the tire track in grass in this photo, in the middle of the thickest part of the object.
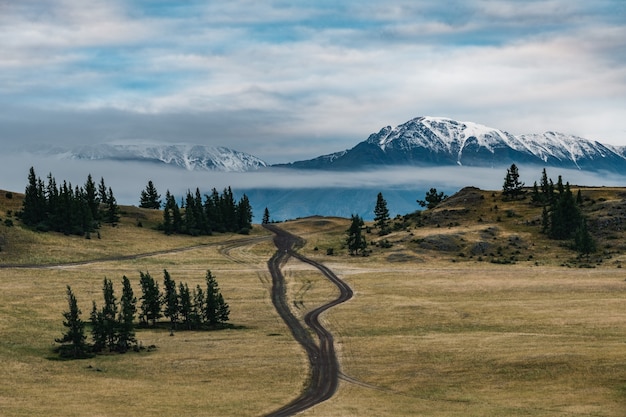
(323, 362)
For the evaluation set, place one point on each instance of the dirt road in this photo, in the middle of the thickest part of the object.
(324, 366)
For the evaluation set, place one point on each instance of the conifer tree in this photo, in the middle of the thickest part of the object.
(98, 329)
(266, 216)
(512, 187)
(109, 315)
(74, 341)
(381, 213)
(102, 191)
(583, 241)
(565, 216)
(199, 307)
(201, 215)
(91, 198)
(150, 299)
(112, 209)
(150, 198)
(213, 212)
(432, 199)
(216, 309)
(177, 218)
(34, 201)
(356, 241)
(128, 308)
(185, 306)
(228, 209)
(244, 216)
(190, 220)
(172, 307)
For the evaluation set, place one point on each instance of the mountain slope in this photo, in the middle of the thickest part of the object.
(189, 157)
(427, 141)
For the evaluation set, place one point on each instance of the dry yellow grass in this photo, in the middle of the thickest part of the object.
(426, 333)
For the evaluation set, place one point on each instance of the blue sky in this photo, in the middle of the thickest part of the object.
(289, 80)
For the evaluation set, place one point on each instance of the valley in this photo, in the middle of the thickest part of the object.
(439, 324)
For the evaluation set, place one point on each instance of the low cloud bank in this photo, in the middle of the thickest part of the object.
(128, 179)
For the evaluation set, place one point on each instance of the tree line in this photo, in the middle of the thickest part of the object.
(65, 208)
(113, 325)
(216, 213)
(562, 217)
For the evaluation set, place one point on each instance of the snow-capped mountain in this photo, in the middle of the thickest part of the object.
(190, 157)
(425, 141)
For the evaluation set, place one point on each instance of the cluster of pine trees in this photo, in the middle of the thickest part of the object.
(67, 209)
(186, 309)
(113, 325)
(217, 213)
(562, 217)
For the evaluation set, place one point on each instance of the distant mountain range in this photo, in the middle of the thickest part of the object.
(430, 142)
(436, 141)
(423, 141)
(189, 157)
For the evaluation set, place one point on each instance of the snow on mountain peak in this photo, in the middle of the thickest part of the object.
(440, 134)
(438, 140)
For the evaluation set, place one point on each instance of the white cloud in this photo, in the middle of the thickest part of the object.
(324, 77)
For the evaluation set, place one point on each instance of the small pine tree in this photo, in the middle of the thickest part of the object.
(91, 197)
(583, 241)
(128, 308)
(243, 212)
(150, 299)
(185, 306)
(381, 213)
(112, 210)
(356, 241)
(512, 187)
(109, 315)
(102, 191)
(74, 344)
(432, 199)
(172, 306)
(198, 312)
(98, 329)
(150, 198)
(266, 216)
(216, 309)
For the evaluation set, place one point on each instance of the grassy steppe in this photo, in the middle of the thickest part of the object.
(434, 329)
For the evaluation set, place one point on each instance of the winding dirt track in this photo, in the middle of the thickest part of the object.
(324, 365)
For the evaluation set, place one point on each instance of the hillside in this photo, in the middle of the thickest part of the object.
(135, 235)
(472, 225)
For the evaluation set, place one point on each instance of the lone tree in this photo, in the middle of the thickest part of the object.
(381, 214)
(512, 187)
(74, 344)
(266, 216)
(150, 198)
(356, 241)
(432, 199)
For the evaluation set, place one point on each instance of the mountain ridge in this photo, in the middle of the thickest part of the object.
(188, 156)
(428, 141)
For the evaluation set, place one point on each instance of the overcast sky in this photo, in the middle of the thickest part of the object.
(290, 80)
